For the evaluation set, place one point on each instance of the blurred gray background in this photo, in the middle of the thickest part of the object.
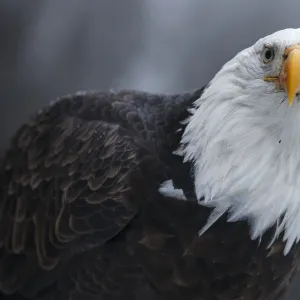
(54, 47)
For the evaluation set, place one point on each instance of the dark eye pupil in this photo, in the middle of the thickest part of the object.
(268, 54)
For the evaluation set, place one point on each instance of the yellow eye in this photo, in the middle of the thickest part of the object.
(268, 54)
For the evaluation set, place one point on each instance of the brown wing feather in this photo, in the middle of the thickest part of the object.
(161, 256)
(63, 180)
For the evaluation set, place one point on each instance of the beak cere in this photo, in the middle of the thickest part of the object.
(289, 78)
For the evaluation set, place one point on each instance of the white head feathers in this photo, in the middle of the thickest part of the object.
(244, 142)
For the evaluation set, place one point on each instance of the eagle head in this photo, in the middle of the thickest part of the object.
(243, 138)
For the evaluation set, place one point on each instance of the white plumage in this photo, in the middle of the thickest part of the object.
(167, 189)
(244, 142)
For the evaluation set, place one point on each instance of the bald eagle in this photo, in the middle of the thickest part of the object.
(131, 195)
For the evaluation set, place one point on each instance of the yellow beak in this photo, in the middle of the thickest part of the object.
(289, 78)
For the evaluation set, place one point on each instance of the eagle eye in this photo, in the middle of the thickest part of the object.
(268, 54)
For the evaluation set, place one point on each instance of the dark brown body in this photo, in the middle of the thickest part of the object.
(81, 217)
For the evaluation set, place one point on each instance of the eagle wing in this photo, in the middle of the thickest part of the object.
(65, 187)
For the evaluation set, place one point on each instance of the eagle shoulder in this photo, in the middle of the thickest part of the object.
(67, 183)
